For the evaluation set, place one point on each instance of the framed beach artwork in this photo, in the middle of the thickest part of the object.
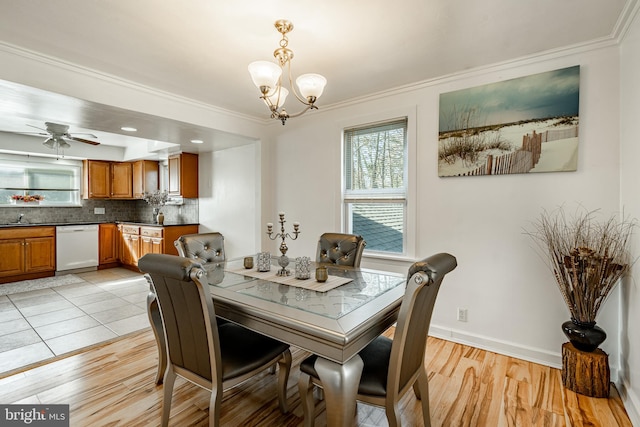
(523, 125)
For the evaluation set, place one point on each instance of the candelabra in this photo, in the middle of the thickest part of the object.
(283, 261)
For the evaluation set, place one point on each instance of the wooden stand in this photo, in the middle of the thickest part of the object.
(585, 373)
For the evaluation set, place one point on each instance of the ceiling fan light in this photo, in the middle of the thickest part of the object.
(273, 97)
(49, 143)
(63, 144)
(265, 74)
(311, 85)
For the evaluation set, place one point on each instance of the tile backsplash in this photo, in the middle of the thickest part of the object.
(114, 210)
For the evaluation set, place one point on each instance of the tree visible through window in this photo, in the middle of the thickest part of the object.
(375, 176)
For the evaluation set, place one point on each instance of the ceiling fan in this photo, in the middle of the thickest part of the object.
(59, 134)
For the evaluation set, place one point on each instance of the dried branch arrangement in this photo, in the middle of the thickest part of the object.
(156, 199)
(587, 257)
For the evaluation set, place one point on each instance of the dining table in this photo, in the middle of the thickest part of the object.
(333, 319)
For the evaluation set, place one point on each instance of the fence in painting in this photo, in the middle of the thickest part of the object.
(523, 160)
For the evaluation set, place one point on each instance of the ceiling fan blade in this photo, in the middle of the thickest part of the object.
(33, 133)
(71, 135)
(32, 126)
(86, 141)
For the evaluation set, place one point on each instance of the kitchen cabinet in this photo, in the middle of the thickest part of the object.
(107, 180)
(108, 245)
(27, 253)
(137, 241)
(183, 175)
(129, 245)
(96, 179)
(145, 177)
(121, 180)
(151, 240)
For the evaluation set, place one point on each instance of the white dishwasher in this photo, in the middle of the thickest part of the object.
(76, 246)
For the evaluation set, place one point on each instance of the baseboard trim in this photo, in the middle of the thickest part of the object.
(531, 354)
(631, 402)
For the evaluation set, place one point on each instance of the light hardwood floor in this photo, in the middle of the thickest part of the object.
(113, 385)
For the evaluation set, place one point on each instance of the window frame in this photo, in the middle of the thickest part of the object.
(43, 163)
(409, 225)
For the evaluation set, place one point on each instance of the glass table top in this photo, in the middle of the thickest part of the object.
(365, 287)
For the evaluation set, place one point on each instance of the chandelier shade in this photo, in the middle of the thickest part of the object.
(267, 76)
(311, 85)
(277, 97)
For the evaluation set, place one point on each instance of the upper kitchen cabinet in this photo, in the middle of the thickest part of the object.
(96, 179)
(183, 175)
(145, 177)
(121, 180)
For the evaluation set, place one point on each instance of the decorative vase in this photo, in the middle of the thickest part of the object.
(585, 336)
(154, 215)
(322, 274)
(160, 218)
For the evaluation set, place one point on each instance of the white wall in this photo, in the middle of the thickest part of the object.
(230, 196)
(514, 306)
(629, 178)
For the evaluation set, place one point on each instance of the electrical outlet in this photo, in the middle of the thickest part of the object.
(98, 211)
(462, 314)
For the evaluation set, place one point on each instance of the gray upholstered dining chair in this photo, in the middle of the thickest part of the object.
(215, 357)
(392, 367)
(340, 249)
(202, 247)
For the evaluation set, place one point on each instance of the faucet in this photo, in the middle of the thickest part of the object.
(19, 221)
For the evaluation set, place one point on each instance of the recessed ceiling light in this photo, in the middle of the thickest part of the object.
(128, 129)
(197, 141)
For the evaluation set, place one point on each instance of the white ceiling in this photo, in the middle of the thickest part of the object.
(200, 49)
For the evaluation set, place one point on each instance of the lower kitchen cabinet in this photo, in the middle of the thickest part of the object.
(27, 253)
(137, 241)
(129, 245)
(108, 246)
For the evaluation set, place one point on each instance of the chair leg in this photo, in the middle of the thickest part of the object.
(169, 380)
(283, 377)
(215, 405)
(305, 389)
(423, 384)
(158, 331)
(393, 414)
(416, 390)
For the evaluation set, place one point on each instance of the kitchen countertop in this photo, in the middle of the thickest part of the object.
(54, 224)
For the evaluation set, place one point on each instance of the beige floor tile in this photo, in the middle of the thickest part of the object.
(137, 298)
(24, 356)
(129, 324)
(77, 289)
(117, 313)
(18, 339)
(76, 340)
(14, 325)
(107, 304)
(88, 299)
(49, 307)
(9, 312)
(30, 294)
(66, 327)
(38, 320)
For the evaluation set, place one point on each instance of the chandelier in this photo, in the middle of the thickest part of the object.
(267, 76)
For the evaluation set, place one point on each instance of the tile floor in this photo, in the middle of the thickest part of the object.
(97, 306)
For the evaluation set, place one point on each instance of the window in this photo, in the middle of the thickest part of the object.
(375, 177)
(45, 182)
